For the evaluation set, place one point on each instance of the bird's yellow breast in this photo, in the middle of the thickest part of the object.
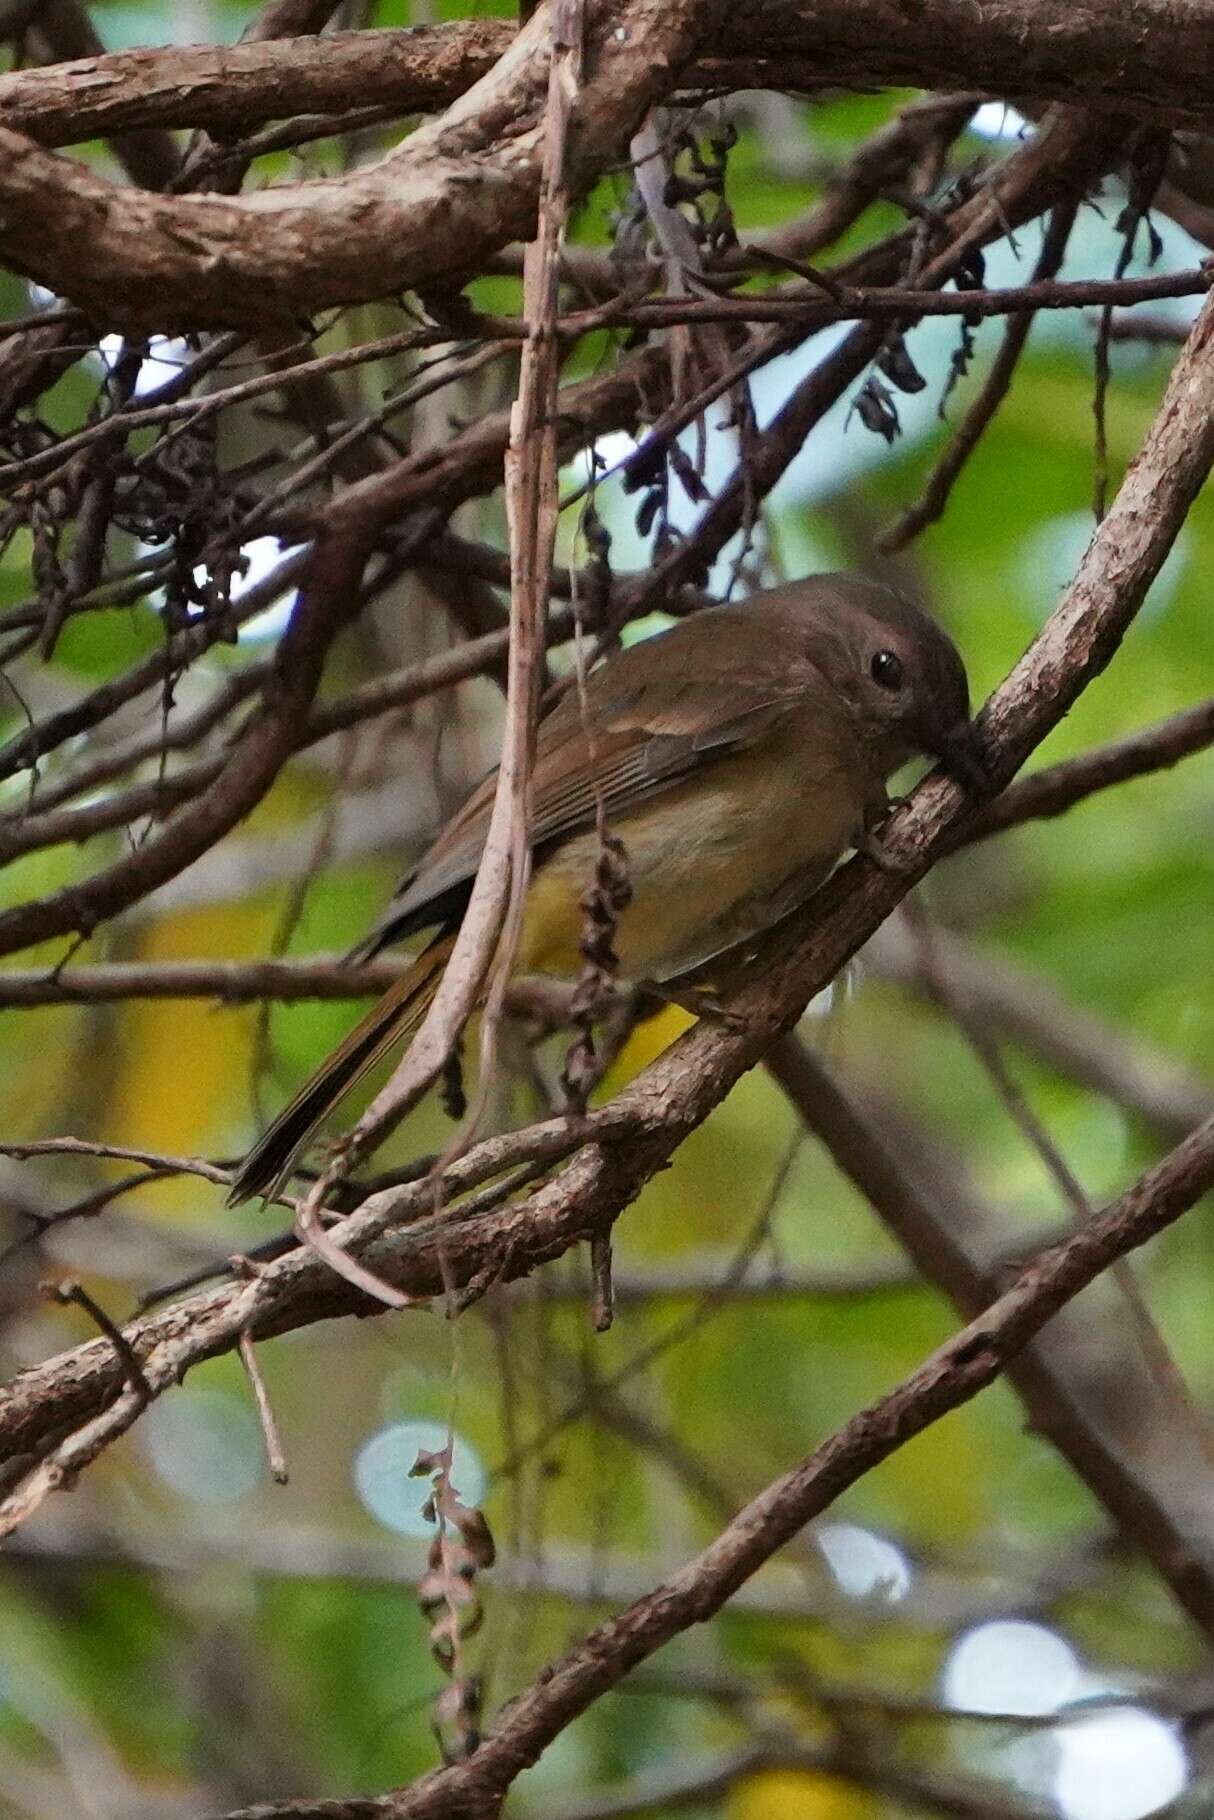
(703, 859)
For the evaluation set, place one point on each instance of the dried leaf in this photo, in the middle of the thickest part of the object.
(895, 362)
(687, 474)
(876, 409)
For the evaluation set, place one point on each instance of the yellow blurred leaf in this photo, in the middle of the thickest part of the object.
(179, 1068)
(798, 1794)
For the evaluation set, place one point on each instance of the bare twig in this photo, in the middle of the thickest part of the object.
(1068, 152)
(930, 506)
(70, 1146)
(69, 1291)
(24, 751)
(495, 905)
(275, 1456)
(1056, 788)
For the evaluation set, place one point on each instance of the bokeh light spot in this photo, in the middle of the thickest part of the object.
(164, 360)
(1119, 1765)
(1010, 1666)
(866, 1566)
(383, 1465)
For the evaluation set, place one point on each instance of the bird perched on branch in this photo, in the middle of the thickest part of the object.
(735, 757)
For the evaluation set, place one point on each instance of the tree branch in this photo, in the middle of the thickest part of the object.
(942, 1229)
(1089, 57)
(456, 189)
(951, 1376)
(227, 89)
(1056, 788)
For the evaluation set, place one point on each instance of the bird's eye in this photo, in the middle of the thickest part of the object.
(886, 669)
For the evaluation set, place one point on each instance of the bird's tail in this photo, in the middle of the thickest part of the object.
(391, 1020)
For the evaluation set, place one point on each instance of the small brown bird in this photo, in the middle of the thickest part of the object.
(736, 756)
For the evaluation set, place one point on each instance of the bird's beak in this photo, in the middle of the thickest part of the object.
(961, 756)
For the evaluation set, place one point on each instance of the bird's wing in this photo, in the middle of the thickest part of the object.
(643, 730)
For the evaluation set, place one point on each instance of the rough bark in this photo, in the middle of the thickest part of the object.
(467, 183)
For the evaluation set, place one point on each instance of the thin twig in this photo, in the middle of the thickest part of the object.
(155, 1160)
(275, 1457)
(70, 1292)
(932, 501)
(495, 905)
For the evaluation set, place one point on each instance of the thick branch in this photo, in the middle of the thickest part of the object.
(1151, 59)
(464, 185)
(229, 88)
(63, 29)
(454, 191)
(1125, 57)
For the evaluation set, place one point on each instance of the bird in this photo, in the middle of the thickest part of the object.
(734, 756)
